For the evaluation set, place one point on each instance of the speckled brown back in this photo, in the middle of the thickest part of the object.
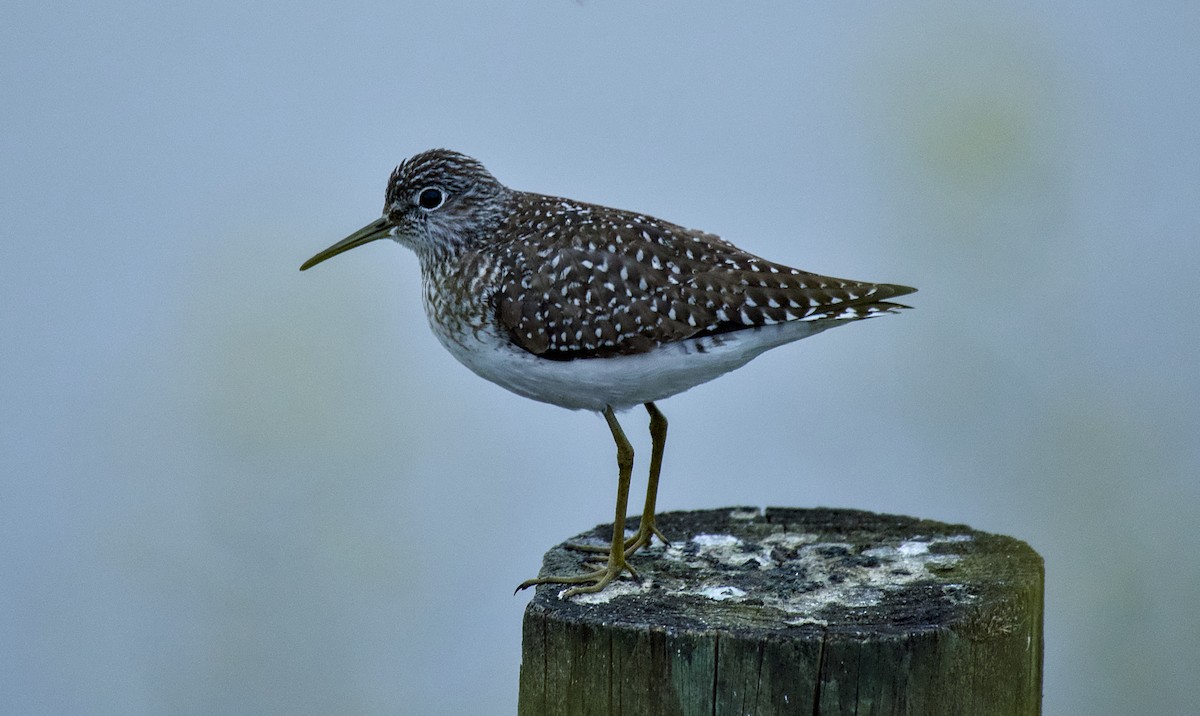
(579, 280)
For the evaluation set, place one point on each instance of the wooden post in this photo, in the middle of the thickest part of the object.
(793, 612)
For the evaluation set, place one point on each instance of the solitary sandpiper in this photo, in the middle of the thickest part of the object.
(593, 308)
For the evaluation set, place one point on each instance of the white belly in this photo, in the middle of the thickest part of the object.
(620, 381)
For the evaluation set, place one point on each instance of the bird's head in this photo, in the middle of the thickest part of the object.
(438, 202)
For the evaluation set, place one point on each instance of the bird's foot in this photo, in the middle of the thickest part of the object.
(590, 582)
(646, 533)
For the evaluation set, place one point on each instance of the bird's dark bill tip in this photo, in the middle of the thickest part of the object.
(378, 229)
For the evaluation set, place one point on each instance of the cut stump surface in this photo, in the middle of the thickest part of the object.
(795, 611)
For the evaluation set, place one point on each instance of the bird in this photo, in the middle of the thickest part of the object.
(593, 308)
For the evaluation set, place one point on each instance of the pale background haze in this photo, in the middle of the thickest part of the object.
(229, 487)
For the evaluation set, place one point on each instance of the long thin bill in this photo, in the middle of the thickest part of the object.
(377, 229)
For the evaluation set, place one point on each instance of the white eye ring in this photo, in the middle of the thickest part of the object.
(430, 198)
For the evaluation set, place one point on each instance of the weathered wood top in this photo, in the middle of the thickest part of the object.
(840, 610)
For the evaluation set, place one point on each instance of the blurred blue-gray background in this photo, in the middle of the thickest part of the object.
(229, 487)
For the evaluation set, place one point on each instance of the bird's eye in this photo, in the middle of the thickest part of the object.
(431, 198)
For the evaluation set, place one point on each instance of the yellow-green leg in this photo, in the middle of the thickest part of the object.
(598, 579)
(647, 530)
